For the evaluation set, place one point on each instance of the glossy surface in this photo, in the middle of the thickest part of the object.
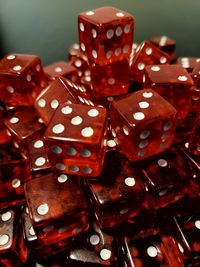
(105, 34)
(119, 193)
(146, 54)
(12, 249)
(142, 123)
(56, 218)
(166, 44)
(110, 80)
(173, 83)
(96, 248)
(167, 176)
(148, 250)
(22, 78)
(75, 139)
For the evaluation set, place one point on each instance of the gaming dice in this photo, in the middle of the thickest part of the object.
(22, 78)
(57, 207)
(105, 34)
(173, 83)
(142, 124)
(76, 139)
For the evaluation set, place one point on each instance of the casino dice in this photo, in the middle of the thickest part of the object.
(22, 78)
(57, 207)
(118, 193)
(173, 83)
(24, 125)
(166, 44)
(14, 172)
(146, 54)
(12, 248)
(76, 139)
(142, 123)
(105, 34)
(148, 249)
(167, 176)
(188, 63)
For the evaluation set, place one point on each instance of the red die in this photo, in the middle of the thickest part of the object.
(188, 63)
(62, 68)
(110, 80)
(165, 44)
(105, 34)
(12, 249)
(24, 125)
(75, 139)
(39, 162)
(173, 83)
(195, 104)
(57, 207)
(14, 171)
(146, 54)
(22, 78)
(119, 193)
(142, 123)
(38, 250)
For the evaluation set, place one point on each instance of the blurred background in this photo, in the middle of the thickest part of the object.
(49, 27)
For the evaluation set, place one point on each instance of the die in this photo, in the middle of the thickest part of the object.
(22, 78)
(110, 80)
(146, 54)
(38, 251)
(170, 81)
(39, 162)
(133, 119)
(96, 248)
(55, 219)
(186, 231)
(75, 139)
(105, 34)
(166, 44)
(119, 193)
(167, 177)
(188, 63)
(12, 248)
(62, 68)
(14, 172)
(148, 249)
(24, 125)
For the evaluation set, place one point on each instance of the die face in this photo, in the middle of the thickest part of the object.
(111, 34)
(49, 100)
(24, 124)
(170, 81)
(168, 175)
(134, 116)
(96, 248)
(165, 44)
(109, 80)
(77, 134)
(12, 249)
(146, 54)
(61, 68)
(39, 162)
(22, 79)
(187, 233)
(14, 172)
(188, 63)
(119, 193)
(56, 219)
(146, 251)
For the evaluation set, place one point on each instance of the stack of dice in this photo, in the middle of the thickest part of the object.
(100, 156)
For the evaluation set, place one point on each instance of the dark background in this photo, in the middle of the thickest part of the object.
(48, 27)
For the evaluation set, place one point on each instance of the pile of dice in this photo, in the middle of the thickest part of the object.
(100, 155)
